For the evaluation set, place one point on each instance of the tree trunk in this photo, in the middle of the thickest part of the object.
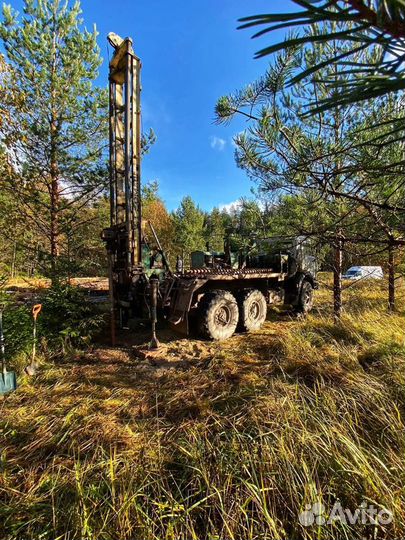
(337, 278)
(35, 259)
(54, 170)
(69, 277)
(13, 261)
(54, 230)
(391, 278)
(54, 195)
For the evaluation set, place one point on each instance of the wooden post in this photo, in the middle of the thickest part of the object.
(391, 277)
(337, 277)
(69, 277)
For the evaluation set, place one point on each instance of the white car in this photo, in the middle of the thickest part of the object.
(364, 272)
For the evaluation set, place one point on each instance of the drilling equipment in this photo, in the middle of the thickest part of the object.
(220, 292)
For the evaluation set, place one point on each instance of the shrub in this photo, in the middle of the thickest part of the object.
(17, 324)
(67, 318)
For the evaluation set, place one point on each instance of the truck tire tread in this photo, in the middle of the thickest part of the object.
(247, 299)
(211, 303)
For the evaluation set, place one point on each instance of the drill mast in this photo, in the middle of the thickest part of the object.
(125, 157)
(124, 236)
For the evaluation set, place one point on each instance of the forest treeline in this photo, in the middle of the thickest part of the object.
(336, 176)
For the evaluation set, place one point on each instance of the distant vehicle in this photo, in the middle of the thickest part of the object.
(364, 272)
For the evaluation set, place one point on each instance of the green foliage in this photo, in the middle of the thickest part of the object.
(215, 230)
(245, 222)
(322, 172)
(194, 229)
(55, 77)
(17, 328)
(147, 141)
(84, 252)
(150, 192)
(17, 324)
(189, 226)
(67, 318)
(364, 25)
(57, 127)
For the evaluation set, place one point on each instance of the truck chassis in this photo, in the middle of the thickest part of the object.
(216, 300)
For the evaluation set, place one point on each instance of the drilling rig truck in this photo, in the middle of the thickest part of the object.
(218, 293)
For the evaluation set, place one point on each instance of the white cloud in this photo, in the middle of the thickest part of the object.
(217, 143)
(234, 205)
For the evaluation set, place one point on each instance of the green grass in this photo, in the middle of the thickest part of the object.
(214, 441)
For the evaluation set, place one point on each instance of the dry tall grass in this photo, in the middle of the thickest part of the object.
(214, 441)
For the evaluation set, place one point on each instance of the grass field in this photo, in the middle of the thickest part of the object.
(35, 284)
(214, 441)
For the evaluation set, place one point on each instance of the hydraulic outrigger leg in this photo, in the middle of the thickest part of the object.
(154, 287)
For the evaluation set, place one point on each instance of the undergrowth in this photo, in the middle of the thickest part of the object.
(67, 321)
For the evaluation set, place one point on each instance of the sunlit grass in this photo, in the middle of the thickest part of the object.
(214, 440)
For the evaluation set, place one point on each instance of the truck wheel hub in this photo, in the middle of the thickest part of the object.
(254, 310)
(223, 316)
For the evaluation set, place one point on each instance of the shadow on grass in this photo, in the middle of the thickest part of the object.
(327, 332)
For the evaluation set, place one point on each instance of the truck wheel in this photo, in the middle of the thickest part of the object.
(218, 315)
(305, 299)
(252, 310)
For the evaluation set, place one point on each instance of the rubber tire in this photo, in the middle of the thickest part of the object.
(305, 298)
(209, 308)
(247, 322)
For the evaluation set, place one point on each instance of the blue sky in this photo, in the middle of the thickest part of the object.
(191, 54)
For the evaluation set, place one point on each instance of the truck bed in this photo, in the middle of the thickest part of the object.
(232, 273)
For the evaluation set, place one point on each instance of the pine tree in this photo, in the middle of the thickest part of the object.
(369, 25)
(314, 157)
(215, 230)
(55, 136)
(189, 226)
